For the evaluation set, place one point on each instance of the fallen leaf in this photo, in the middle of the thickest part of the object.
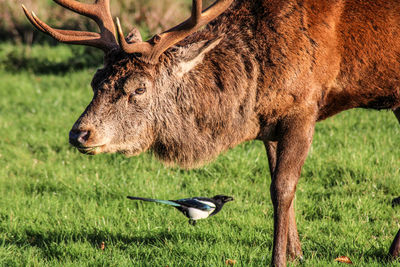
(344, 259)
(230, 262)
(102, 246)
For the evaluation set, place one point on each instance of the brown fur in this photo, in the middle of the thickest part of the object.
(394, 250)
(266, 70)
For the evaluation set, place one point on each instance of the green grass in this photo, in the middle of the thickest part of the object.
(57, 206)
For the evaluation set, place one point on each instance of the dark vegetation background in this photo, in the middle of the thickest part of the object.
(17, 36)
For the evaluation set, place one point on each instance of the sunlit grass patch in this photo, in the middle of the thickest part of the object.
(58, 206)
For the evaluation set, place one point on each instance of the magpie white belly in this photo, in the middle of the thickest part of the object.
(196, 214)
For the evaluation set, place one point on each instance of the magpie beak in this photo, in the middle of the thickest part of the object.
(194, 208)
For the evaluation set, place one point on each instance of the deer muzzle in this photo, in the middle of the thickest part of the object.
(83, 140)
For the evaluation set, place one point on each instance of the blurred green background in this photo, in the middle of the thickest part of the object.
(18, 36)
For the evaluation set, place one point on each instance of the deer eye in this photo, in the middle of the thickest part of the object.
(140, 90)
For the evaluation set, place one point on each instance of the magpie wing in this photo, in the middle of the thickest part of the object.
(197, 203)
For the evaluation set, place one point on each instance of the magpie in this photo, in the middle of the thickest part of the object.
(194, 208)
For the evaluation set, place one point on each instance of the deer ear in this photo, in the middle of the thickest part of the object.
(191, 55)
(134, 37)
(199, 49)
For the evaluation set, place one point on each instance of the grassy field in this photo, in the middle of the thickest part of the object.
(58, 206)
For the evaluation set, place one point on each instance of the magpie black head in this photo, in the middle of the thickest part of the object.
(222, 198)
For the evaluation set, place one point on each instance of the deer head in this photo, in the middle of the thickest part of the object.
(138, 77)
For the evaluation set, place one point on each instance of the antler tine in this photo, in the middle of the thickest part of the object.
(74, 37)
(78, 7)
(151, 50)
(141, 48)
(99, 12)
(197, 8)
(32, 20)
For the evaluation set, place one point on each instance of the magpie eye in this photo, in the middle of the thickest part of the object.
(140, 91)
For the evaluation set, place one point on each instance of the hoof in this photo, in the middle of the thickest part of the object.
(396, 202)
(395, 247)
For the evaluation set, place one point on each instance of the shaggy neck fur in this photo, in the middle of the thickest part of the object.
(210, 108)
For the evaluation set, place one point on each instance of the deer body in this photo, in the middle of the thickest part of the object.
(264, 69)
(271, 69)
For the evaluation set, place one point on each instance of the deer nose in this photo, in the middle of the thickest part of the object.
(78, 138)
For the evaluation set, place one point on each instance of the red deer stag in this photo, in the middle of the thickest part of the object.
(260, 69)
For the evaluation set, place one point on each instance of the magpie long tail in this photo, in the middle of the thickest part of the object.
(167, 202)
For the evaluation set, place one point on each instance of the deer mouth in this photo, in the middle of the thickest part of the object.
(89, 150)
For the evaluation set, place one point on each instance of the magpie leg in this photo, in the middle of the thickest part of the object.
(192, 222)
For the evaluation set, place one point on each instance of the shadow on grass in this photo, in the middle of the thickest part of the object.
(380, 255)
(42, 67)
(39, 66)
(48, 60)
(52, 243)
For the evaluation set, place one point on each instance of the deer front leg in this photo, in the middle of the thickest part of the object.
(293, 249)
(394, 250)
(293, 145)
(397, 113)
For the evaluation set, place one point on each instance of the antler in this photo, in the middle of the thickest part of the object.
(99, 12)
(151, 50)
